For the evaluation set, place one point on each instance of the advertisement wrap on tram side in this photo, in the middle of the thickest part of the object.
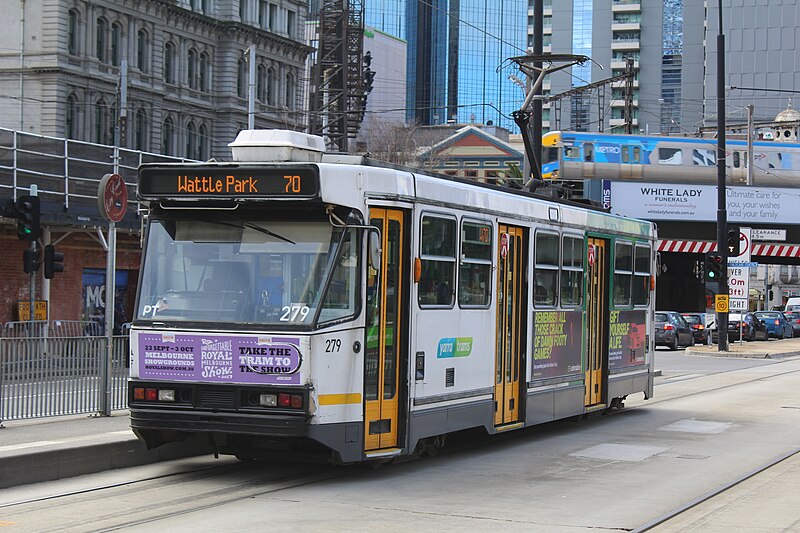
(557, 337)
(220, 358)
(626, 338)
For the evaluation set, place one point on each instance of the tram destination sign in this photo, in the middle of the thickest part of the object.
(227, 182)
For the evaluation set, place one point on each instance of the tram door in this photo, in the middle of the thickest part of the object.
(511, 305)
(597, 319)
(384, 290)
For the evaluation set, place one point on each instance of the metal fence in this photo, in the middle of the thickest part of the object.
(59, 367)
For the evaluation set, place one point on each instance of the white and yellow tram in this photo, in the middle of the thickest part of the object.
(325, 302)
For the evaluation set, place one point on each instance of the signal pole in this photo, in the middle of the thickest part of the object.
(722, 213)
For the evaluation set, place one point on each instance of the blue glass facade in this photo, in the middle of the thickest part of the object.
(388, 16)
(455, 48)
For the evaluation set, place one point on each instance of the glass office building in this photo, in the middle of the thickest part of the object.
(458, 50)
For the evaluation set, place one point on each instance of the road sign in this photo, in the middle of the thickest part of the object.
(737, 304)
(721, 303)
(745, 243)
(39, 310)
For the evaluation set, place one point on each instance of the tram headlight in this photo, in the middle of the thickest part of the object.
(267, 400)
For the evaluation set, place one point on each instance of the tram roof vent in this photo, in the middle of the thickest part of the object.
(276, 145)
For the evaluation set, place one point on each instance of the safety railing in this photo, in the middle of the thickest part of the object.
(55, 368)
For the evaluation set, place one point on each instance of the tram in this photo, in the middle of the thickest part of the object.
(298, 301)
(651, 158)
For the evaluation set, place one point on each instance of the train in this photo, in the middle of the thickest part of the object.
(295, 301)
(571, 156)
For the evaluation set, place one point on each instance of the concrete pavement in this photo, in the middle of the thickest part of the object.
(771, 349)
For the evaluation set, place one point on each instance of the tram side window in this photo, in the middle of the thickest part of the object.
(341, 299)
(474, 282)
(545, 270)
(623, 273)
(641, 275)
(572, 272)
(438, 258)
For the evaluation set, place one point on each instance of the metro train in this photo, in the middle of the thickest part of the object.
(295, 301)
(577, 155)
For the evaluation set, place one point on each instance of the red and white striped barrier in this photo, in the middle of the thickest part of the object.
(701, 247)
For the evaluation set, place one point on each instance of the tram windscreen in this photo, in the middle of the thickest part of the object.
(224, 271)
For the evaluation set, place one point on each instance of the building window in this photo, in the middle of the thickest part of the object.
(241, 78)
(290, 90)
(272, 82)
(261, 83)
(475, 273)
(103, 133)
(263, 14)
(72, 32)
(273, 17)
(140, 131)
(204, 83)
(168, 137)
(169, 63)
(243, 5)
(438, 258)
(116, 44)
(102, 36)
(191, 141)
(202, 143)
(142, 43)
(71, 126)
(191, 69)
(291, 23)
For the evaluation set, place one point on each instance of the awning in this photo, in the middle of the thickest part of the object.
(701, 247)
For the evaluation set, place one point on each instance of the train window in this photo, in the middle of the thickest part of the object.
(641, 275)
(737, 159)
(545, 272)
(572, 152)
(670, 156)
(572, 272)
(475, 273)
(588, 152)
(623, 272)
(438, 258)
(626, 154)
(637, 154)
(550, 155)
(704, 158)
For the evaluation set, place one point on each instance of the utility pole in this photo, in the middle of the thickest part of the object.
(629, 96)
(722, 212)
(538, 47)
(251, 87)
(750, 109)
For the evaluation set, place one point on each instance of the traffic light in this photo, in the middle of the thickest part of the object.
(53, 261)
(733, 241)
(713, 267)
(369, 74)
(30, 261)
(28, 228)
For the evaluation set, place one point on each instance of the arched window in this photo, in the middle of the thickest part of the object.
(241, 78)
(142, 49)
(191, 68)
(168, 137)
(71, 119)
(202, 143)
(140, 131)
(103, 132)
(261, 83)
(116, 44)
(73, 38)
(169, 63)
(191, 141)
(272, 86)
(205, 82)
(102, 37)
(290, 89)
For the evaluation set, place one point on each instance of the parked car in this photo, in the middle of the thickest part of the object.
(672, 330)
(777, 325)
(752, 329)
(793, 317)
(792, 304)
(697, 321)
